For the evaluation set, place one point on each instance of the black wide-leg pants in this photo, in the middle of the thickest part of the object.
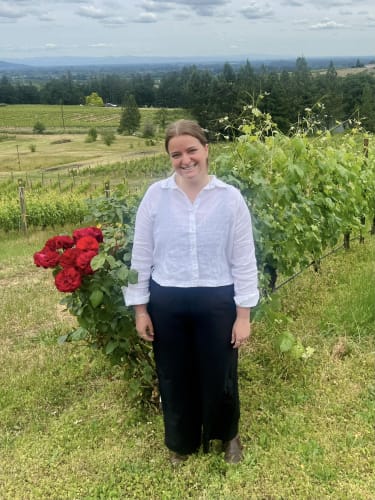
(196, 364)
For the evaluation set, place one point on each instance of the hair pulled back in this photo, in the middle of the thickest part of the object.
(185, 127)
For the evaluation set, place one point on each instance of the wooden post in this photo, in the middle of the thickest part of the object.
(107, 190)
(62, 116)
(21, 191)
(363, 218)
(365, 147)
(18, 157)
(365, 151)
(347, 241)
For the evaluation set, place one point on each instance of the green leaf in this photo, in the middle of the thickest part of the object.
(132, 277)
(111, 346)
(62, 339)
(79, 334)
(297, 350)
(122, 274)
(111, 261)
(97, 262)
(96, 298)
(286, 341)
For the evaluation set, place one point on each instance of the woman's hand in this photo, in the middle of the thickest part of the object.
(143, 325)
(241, 327)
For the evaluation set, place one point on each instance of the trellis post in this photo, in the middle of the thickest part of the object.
(21, 192)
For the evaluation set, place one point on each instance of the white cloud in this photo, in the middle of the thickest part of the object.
(92, 12)
(200, 7)
(9, 12)
(370, 22)
(327, 24)
(146, 17)
(331, 4)
(46, 18)
(293, 3)
(100, 45)
(256, 11)
(114, 21)
(155, 6)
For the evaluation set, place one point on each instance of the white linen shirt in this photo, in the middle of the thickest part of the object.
(205, 243)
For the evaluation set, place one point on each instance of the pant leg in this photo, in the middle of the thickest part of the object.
(176, 365)
(213, 317)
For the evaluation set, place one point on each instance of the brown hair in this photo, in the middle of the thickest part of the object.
(185, 127)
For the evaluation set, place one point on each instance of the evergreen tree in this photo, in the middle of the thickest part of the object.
(329, 86)
(248, 84)
(130, 116)
(367, 107)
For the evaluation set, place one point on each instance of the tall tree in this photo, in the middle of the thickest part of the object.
(199, 96)
(367, 107)
(330, 90)
(130, 116)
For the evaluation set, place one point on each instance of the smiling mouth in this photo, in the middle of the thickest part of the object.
(188, 167)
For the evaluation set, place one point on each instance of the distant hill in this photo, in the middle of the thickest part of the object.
(12, 66)
(42, 66)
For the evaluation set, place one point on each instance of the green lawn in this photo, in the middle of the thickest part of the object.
(63, 150)
(70, 118)
(63, 144)
(69, 431)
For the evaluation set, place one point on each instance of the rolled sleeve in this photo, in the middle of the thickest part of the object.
(142, 256)
(244, 265)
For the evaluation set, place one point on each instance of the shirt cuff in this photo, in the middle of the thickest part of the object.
(247, 300)
(135, 297)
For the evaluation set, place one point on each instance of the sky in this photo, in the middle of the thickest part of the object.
(185, 28)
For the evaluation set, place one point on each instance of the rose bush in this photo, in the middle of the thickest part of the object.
(91, 267)
(70, 257)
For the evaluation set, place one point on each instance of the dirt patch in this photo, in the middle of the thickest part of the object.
(99, 161)
(61, 141)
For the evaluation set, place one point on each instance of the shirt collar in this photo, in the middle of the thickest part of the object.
(170, 183)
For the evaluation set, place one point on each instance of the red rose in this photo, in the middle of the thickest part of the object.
(93, 231)
(83, 262)
(87, 243)
(69, 257)
(68, 280)
(46, 258)
(58, 242)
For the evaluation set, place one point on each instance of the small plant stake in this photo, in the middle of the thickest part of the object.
(21, 191)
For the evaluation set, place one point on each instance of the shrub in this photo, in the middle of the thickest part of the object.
(108, 137)
(39, 127)
(91, 135)
(148, 130)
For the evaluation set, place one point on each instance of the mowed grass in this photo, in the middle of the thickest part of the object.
(62, 150)
(71, 118)
(64, 145)
(69, 431)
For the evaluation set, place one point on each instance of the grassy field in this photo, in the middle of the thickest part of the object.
(63, 145)
(68, 430)
(72, 119)
(59, 151)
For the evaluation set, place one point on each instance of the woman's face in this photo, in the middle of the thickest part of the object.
(189, 157)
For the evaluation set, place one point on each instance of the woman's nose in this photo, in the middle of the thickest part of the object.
(185, 158)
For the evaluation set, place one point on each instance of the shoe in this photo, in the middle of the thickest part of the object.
(233, 451)
(176, 458)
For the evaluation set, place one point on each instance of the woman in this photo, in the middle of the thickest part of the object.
(197, 279)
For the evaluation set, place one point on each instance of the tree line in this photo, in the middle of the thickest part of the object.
(209, 96)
